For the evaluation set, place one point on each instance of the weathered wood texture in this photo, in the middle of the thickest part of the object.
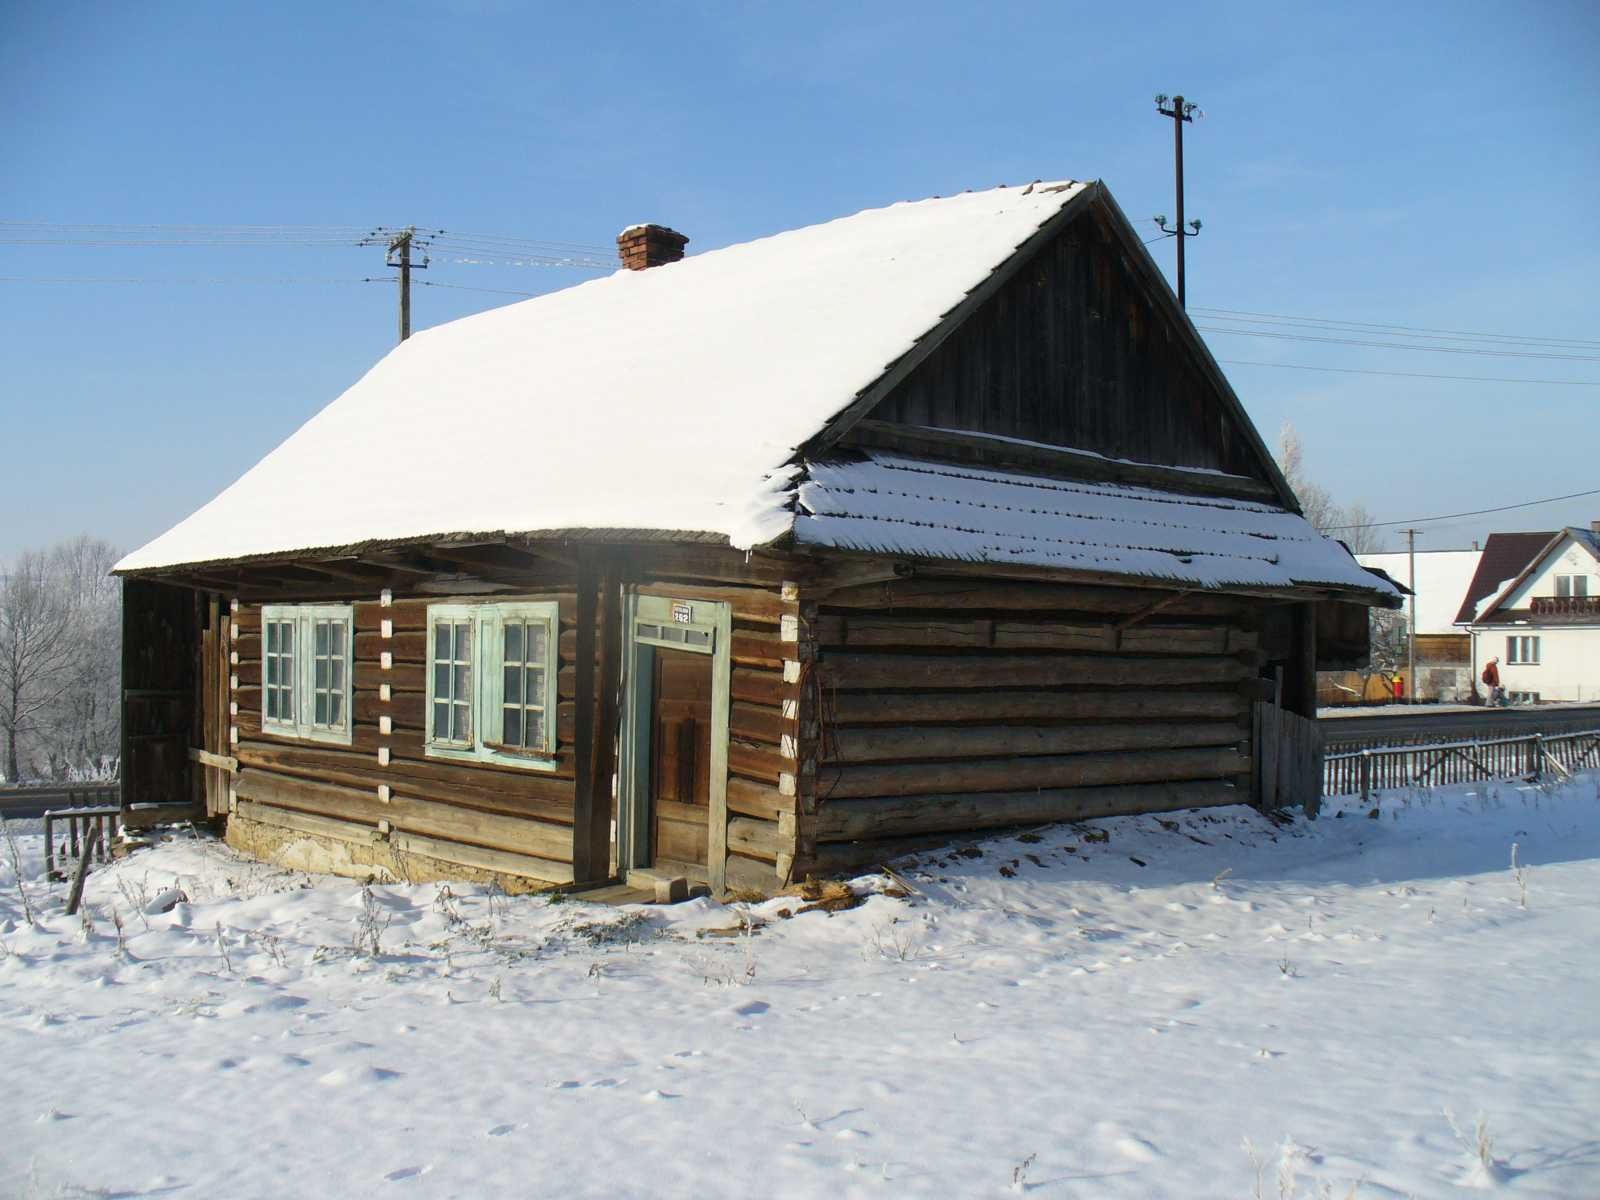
(161, 677)
(935, 707)
(1072, 352)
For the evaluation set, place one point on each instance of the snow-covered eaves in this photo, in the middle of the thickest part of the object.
(906, 507)
(667, 399)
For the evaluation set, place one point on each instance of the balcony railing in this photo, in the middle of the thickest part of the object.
(1567, 608)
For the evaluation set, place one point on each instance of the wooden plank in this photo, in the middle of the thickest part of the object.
(303, 822)
(864, 708)
(756, 761)
(747, 604)
(760, 723)
(517, 795)
(222, 762)
(934, 671)
(838, 629)
(500, 862)
(999, 774)
(751, 799)
(905, 816)
(591, 811)
(928, 593)
(760, 839)
(904, 742)
(1054, 461)
(452, 822)
(758, 687)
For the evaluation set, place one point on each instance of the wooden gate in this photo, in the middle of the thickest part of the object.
(1288, 758)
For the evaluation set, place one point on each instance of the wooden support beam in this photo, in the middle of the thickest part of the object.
(591, 811)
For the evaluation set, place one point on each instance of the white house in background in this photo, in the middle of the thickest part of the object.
(1543, 623)
(1444, 651)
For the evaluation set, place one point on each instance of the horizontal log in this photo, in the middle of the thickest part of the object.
(752, 799)
(759, 687)
(521, 794)
(907, 816)
(760, 723)
(749, 648)
(955, 671)
(408, 710)
(756, 761)
(839, 629)
(406, 677)
(304, 822)
(1003, 774)
(891, 742)
(751, 875)
(499, 862)
(761, 839)
(473, 826)
(864, 708)
(1019, 596)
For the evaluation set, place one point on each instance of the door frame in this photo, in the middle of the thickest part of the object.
(681, 613)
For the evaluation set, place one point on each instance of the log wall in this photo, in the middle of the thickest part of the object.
(384, 782)
(936, 707)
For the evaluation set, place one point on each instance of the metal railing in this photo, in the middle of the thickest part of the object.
(1532, 756)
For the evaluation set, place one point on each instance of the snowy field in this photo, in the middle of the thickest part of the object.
(1207, 1005)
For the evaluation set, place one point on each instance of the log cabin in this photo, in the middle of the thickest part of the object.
(780, 559)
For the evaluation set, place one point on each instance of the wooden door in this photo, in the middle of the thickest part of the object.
(680, 756)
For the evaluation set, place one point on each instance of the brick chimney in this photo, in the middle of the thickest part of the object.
(642, 246)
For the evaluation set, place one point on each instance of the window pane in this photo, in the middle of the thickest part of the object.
(441, 642)
(336, 708)
(513, 730)
(463, 724)
(512, 684)
(441, 680)
(535, 694)
(336, 638)
(320, 636)
(538, 635)
(1580, 585)
(272, 636)
(336, 674)
(513, 642)
(272, 669)
(463, 642)
(286, 636)
(319, 672)
(462, 684)
(535, 730)
(441, 719)
(321, 715)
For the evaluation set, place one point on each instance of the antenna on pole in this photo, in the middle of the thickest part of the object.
(1180, 111)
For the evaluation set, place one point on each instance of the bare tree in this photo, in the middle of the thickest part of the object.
(81, 732)
(36, 651)
(1354, 526)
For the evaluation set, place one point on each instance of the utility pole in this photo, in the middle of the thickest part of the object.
(1180, 112)
(1411, 625)
(400, 257)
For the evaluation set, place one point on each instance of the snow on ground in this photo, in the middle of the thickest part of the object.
(1049, 1014)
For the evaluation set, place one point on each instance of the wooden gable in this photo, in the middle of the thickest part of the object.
(1077, 344)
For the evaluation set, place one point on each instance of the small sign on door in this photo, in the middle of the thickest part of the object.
(682, 613)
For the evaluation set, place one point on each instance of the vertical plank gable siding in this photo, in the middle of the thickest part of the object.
(1070, 352)
(941, 709)
(453, 804)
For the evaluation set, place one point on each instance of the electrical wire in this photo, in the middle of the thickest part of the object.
(1475, 513)
(1245, 362)
(1306, 337)
(463, 287)
(1397, 330)
(221, 279)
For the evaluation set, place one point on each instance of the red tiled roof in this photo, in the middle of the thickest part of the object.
(1504, 557)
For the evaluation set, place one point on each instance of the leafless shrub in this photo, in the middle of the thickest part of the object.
(1019, 1173)
(15, 855)
(222, 949)
(1520, 874)
(371, 925)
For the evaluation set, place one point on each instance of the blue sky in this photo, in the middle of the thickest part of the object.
(1427, 165)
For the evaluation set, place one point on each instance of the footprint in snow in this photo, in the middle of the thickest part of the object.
(1136, 1149)
(605, 1083)
(754, 1009)
(406, 1174)
(501, 1130)
(654, 1095)
(565, 1085)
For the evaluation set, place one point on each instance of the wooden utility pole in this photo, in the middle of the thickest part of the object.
(1411, 624)
(1180, 112)
(400, 256)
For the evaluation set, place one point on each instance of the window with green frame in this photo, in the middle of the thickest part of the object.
(306, 664)
(492, 682)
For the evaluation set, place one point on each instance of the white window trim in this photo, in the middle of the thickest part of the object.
(1531, 640)
(302, 617)
(488, 682)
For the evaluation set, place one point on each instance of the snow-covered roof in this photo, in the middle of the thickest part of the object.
(899, 506)
(665, 399)
(1441, 582)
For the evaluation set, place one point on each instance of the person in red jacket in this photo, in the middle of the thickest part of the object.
(1491, 676)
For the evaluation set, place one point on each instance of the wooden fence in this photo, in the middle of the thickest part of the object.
(35, 800)
(1533, 756)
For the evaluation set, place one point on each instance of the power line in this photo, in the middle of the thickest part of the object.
(220, 279)
(1475, 513)
(464, 287)
(1446, 334)
(1306, 337)
(1245, 362)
